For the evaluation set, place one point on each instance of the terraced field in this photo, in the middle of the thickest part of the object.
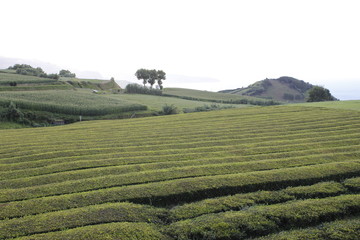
(25, 82)
(281, 172)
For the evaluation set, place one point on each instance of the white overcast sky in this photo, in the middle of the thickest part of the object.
(210, 44)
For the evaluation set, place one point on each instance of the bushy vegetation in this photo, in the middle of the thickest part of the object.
(25, 69)
(230, 174)
(215, 97)
(138, 89)
(347, 229)
(68, 102)
(319, 94)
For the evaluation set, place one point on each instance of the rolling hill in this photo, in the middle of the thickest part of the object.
(43, 101)
(274, 172)
(285, 89)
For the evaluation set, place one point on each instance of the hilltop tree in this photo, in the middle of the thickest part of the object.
(319, 94)
(142, 74)
(66, 73)
(161, 75)
(152, 77)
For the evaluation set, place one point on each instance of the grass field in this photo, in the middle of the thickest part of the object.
(266, 172)
(350, 105)
(157, 102)
(215, 96)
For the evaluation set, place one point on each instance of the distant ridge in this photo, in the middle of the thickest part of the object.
(281, 89)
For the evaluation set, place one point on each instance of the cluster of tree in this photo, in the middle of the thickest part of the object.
(319, 94)
(66, 73)
(151, 76)
(25, 69)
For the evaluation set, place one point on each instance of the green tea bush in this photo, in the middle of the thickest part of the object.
(262, 220)
(116, 230)
(347, 229)
(105, 213)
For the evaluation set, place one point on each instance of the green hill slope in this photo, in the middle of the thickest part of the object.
(11, 81)
(215, 97)
(286, 89)
(230, 174)
(350, 105)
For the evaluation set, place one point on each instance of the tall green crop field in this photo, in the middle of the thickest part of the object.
(68, 102)
(280, 172)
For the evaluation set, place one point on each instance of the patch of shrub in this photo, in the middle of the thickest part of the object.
(169, 109)
(138, 89)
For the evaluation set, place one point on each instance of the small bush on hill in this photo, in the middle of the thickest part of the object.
(169, 109)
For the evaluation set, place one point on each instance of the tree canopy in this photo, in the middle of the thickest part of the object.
(319, 94)
(26, 69)
(151, 76)
(66, 73)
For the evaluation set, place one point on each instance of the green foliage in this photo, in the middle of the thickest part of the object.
(137, 89)
(215, 97)
(68, 102)
(25, 69)
(105, 213)
(343, 105)
(116, 230)
(319, 94)
(262, 220)
(13, 114)
(206, 107)
(66, 73)
(151, 76)
(240, 201)
(231, 174)
(347, 229)
(353, 183)
(169, 109)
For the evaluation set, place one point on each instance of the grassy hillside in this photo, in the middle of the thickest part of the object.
(25, 82)
(31, 83)
(215, 97)
(285, 89)
(230, 174)
(349, 105)
(156, 103)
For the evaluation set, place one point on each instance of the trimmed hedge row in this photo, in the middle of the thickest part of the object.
(239, 201)
(353, 183)
(241, 137)
(189, 189)
(156, 175)
(192, 147)
(121, 230)
(347, 229)
(240, 163)
(262, 220)
(55, 221)
(65, 164)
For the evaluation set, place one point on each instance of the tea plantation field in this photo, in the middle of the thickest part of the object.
(279, 172)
